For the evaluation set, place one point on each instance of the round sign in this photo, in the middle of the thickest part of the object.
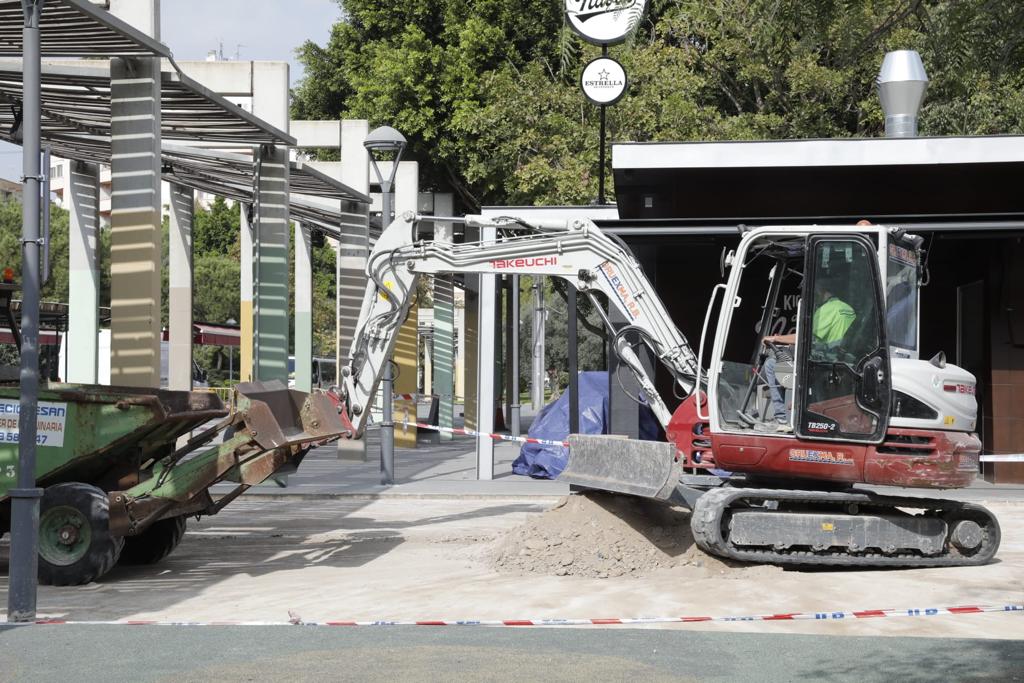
(604, 22)
(603, 81)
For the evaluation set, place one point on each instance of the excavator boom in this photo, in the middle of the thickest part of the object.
(576, 251)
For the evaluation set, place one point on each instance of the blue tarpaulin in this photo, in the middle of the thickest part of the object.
(547, 462)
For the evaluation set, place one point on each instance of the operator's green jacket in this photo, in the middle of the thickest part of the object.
(831, 321)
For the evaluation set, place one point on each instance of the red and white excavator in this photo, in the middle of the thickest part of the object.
(862, 407)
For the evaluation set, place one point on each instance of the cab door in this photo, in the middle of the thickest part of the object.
(843, 386)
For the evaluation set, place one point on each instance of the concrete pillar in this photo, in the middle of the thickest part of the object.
(406, 357)
(270, 268)
(444, 325)
(428, 365)
(143, 15)
(303, 308)
(268, 252)
(351, 259)
(135, 225)
(179, 307)
(485, 373)
(460, 349)
(406, 354)
(245, 319)
(83, 203)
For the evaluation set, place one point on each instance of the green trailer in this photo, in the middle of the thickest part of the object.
(123, 468)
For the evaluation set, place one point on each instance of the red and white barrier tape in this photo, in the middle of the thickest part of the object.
(496, 437)
(418, 397)
(833, 615)
(1015, 457)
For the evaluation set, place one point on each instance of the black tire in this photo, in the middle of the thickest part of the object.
(75, 544)
(155, 543)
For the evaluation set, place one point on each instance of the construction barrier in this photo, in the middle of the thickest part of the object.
(470, 432)
(822, 616)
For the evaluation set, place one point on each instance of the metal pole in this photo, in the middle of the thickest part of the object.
(46, 216)
(387, 425)
(537, 388)
(510, 391)
(514, 356)
(21, 597)
(574, 375)
(600, 175)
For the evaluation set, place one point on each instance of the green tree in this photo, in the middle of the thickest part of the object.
(416, 65)
(489, 96)
(215, 230)
(56, 288)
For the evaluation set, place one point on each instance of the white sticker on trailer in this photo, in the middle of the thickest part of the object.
(50, 421)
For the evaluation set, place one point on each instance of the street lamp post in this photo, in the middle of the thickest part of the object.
(22, 579)
(384, 140)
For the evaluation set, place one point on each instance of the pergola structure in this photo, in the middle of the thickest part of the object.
(78, 101)
(76, 108)
(231, 176)
(75, 28)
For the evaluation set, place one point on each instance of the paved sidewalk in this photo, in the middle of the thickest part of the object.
(438, 469)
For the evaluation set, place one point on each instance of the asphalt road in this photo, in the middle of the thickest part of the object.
(294, 653)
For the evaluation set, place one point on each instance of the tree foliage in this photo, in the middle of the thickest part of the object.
(487, 92)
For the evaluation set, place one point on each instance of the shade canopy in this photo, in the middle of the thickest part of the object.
(75, 28)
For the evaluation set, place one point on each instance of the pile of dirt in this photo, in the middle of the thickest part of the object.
(602, 535)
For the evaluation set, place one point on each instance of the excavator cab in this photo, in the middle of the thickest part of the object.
(842, 382)
(808, 361)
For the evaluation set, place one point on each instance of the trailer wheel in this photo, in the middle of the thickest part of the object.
(155, 543)
(75, 545)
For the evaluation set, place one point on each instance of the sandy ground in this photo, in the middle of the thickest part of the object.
(435, 559)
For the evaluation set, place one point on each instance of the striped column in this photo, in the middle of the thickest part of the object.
(245, 319)
(270, 268)
(353, 249)
(135, 225)
(444, 326)
(303, 308)
(179, 305)
(83, 202)
(406, 353)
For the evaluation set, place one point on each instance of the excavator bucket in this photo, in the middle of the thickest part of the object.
(610, 463)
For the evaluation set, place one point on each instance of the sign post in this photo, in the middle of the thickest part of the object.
(603, 82)
(604, 23)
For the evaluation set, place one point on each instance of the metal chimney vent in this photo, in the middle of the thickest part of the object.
(901, 85)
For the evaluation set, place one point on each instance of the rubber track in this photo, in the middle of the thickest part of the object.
(706, 524)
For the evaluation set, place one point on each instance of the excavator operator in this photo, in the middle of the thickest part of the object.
(832, 319)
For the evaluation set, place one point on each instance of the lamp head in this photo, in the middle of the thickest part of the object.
(384, 139)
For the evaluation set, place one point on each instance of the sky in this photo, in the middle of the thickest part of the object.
(255, 29)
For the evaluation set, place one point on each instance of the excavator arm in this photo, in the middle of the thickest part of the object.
(576, 251)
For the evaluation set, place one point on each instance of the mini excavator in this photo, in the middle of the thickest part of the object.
(763, 485)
